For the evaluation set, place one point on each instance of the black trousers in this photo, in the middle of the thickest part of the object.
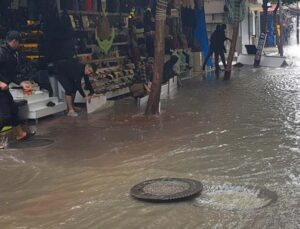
(8, 110)
(222, 55)
(217, 54)
(68, 85)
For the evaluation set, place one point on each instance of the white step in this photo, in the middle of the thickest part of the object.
(37, 95)
(33, 105)
(45, 111)
(164, 91)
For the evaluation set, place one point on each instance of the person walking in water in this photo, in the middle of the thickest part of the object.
(217, 47)
(220, 47)
(212, 46)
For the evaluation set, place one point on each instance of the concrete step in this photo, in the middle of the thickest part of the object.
(45, 111)
(37, 95)
(164, 91)
(33, 105)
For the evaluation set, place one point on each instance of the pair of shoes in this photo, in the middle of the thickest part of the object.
(50, 104)
(29, 134)
(72, 114)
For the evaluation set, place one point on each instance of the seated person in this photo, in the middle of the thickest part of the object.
(9, 113)
(9, 61)
(70, 73)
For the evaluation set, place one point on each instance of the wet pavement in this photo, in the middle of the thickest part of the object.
(229, 135)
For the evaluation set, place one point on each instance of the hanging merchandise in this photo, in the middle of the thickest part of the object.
(201, 32)
(188, 3)
(113, 6)
(23, 3)
(89, 5)
(188, 20)
(14, 4)
(234, 11)
(33, 9)
(125, 6)
(4, 15)
(76, 5)
(105, 35)
(105, 45)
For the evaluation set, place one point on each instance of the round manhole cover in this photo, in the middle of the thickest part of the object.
(230, 197)
(30, 143)
(166, 189)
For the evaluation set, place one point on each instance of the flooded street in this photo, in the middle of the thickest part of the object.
(228, 135)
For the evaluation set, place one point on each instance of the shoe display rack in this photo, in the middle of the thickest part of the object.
(113, 75)
(30, 45)
(109, 83)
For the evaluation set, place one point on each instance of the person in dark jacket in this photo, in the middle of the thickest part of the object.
(220, 47)
(70, 73)
(217, 47)
(212, 46)
(9, 61)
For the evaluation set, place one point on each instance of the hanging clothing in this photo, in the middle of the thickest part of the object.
(23, 3)
(89, 5)
(113, 6)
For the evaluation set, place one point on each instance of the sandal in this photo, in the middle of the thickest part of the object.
(28, 135)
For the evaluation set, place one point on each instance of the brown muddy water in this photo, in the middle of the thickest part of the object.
(237, 137)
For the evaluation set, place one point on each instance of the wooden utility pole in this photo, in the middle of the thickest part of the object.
(297, 23)
(263, 34)
(159, 56)
(280, 46)
(235, 33)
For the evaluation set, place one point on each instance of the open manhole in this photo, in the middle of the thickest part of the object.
(231, 197)
(166, 189)
(30, 143)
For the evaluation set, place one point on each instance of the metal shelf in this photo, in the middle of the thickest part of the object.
(120, 43)
(104, 60)
(95, 13)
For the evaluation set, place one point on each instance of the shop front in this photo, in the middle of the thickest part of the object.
(117, 36)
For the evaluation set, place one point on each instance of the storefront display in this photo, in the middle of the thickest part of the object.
(118, 36)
